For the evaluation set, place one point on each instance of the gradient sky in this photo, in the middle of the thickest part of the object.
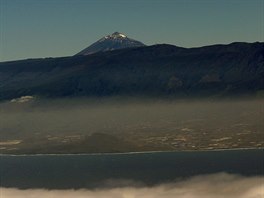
(52, 28)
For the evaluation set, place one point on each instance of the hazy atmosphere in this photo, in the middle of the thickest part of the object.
(118, 115)
(175, 124)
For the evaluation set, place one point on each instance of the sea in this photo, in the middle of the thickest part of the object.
(90, 171)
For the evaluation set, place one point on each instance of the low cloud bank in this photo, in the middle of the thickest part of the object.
(219, 185)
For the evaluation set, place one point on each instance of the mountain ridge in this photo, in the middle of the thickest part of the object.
(154, 71)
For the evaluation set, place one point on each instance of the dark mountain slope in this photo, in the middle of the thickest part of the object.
(159, 70)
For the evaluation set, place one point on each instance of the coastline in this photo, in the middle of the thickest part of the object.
(134, 152)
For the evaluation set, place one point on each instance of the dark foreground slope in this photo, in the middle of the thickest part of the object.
(159, 70)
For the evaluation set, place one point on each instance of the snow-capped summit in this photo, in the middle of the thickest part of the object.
(110, 42)
(116, 35)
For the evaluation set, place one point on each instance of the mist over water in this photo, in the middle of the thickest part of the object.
(220, 185)
(117, 115)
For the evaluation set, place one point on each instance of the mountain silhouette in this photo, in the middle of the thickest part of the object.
(153, 71)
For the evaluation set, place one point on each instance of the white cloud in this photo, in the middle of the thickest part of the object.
(22, 99)
(220, 185)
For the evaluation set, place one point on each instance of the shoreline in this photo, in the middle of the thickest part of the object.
(135, 152)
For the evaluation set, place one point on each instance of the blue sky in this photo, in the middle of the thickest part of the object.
(52, 28)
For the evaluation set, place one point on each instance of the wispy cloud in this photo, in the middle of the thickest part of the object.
(219, 185)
